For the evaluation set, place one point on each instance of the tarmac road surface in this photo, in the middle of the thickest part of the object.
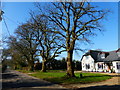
(14, 80)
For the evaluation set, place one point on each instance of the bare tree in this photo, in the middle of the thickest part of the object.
(14, 53)
(26, 44)
(76, 21)
(48, 47)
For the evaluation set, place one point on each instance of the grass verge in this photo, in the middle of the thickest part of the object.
(60, 78)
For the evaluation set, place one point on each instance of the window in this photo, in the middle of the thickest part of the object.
(118, 65)
(87, 57)
(87, 66)
(100, 66)
(102, 56)
(118, 53)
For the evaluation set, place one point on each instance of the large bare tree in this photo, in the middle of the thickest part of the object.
(26, 44)
(48, 43)
(16, 52)
(76, 21)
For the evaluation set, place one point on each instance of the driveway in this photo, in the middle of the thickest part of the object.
(14, 80)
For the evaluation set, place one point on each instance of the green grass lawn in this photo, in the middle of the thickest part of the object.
(60, 78)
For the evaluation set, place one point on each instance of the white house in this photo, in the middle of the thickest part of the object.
(99, 61)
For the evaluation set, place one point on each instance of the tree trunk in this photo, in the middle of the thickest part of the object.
(31, 66)
(43, 66)
(32, 63)
(70, 69)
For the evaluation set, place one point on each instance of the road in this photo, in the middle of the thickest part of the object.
(14, 80)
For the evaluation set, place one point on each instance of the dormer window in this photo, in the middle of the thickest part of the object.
(118, 53)
(102, 55)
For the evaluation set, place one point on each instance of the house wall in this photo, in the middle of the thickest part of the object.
(116, 66)
(99, 66)
(87, 63)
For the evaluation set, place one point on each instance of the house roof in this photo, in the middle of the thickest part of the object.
(113, 56)
(109, 56)
(94, 54)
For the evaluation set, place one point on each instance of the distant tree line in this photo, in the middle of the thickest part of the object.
(58, 65)
(51, 65)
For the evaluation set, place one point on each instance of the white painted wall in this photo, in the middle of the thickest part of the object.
(94, 66)
(115, 66)
(87, 60)
(99, 69)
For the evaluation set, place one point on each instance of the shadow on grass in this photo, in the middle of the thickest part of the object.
(97, 76)
(118, 75)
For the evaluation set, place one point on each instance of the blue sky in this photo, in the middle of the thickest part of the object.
(18, 12)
